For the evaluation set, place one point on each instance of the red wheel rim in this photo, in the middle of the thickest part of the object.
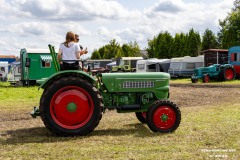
(164, 117)
(229, 74)
(71, 107)
(206, 78)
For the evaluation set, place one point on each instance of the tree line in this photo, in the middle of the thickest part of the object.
(164, 45)
(114, 50)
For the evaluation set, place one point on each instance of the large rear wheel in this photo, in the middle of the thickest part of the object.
(71, 106)
(163, 116)
(227, 74)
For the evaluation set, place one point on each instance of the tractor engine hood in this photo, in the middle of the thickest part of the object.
(156, 82)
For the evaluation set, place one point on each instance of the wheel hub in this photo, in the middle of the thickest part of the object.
(164, 117)
(71, 107)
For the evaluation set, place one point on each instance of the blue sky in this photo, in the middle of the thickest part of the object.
(37, 23)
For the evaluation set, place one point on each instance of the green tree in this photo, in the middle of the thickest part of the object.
(183, 44)
(236, 4)
(151, 48)
(113, 49)
(166, 46)
(193, 43)
(229, 34)
(209, 40)
(135, 49)
(95, 55)
(162, 45)
(126, 50)
(102, 50)
(131, 49)
(177, 46)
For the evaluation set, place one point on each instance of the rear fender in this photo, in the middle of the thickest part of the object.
(61, 74)
(226, 65)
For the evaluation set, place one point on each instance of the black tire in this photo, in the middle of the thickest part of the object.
(227, 74)
(194, 80)
(163, 116)
(141, 116)
(71, 106)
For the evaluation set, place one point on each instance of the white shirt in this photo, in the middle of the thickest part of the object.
(69, 53)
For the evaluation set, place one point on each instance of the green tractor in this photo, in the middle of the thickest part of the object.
(221, 72)
(73, 101)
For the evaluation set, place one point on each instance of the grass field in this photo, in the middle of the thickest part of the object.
(205, 132)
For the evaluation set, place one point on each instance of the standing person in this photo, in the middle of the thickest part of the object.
(81, 53)
(69, 53)
(81, 48)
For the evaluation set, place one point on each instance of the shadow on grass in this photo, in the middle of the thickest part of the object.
(42, 135)
(136, 129)
(32, 135)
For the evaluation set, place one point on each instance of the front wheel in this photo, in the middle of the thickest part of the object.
(194, 80)
(163, 116)
(206, 78)
(71, 106)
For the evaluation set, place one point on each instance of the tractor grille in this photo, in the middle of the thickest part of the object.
(141, 84)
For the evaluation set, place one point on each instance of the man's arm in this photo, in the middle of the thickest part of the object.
(85, 51)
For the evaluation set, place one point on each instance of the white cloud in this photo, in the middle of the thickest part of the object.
(40, 8)
(3, 43)
(29, 28)
(126, 35)
(105, 35)
(36, 23)
(72, 10)
(9, 10)
(168, 6)
(178, 16)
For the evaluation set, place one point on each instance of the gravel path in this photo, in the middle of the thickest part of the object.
(200, 95)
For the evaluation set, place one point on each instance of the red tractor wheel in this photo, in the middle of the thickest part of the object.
(227, 74)
(206, 78)
(163, 116)
(71, 106)
(141, 116)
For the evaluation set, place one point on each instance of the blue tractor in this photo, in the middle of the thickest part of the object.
(221, 72)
